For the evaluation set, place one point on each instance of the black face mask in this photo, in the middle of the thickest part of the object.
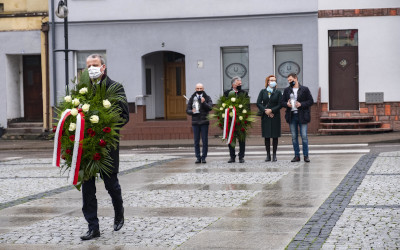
(292, 83)
(239, 87)
(199, 92)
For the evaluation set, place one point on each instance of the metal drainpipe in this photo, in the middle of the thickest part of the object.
(53, 44)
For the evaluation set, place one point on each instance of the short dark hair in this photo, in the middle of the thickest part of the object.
(294, 75)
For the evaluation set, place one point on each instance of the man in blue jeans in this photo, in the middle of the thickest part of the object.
(199, 105)
(297, 100)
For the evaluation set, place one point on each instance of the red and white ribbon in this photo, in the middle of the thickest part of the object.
(57, 138)
(226, 124)
(229, 135)
(77, 152)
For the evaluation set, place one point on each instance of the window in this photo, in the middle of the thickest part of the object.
(1, 7)
(288, 59)
(235, 62)
(81, 60)
(342, 38)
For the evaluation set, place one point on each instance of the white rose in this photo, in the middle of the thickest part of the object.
(240, 106)
(231, 107)
(68, 98)
(83, 91)
(244, 111)
(221, 108)
(231, 114)
(106, 103)
(94, 119)
(233, 99)
(240, 117)
(74, 112)
(223, 105)
(75, 102)
(223, 115)
(72, 126)
(85, 107)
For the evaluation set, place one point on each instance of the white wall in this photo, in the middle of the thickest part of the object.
(155, 9)
(378, 51)
(357, 4)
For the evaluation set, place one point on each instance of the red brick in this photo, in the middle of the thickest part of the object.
(387, 109)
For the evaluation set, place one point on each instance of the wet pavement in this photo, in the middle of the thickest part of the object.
(337, 201)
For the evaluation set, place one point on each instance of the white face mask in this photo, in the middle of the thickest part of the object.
(94, 72)
(272, 84)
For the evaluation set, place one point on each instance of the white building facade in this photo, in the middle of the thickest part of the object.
(358, 58)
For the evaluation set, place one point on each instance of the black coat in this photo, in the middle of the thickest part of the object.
(205, 108)
(305, 98)
(270, 127)
(114, 153)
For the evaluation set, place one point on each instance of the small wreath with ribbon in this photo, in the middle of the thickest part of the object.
(233, 115)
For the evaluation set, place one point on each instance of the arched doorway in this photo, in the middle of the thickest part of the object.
(165, 85)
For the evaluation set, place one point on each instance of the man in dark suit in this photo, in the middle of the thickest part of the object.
(236, 90)
(96, 69)
(297, 100)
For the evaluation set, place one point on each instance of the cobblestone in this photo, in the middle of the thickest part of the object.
(167, 232)
(249, 165)
(224, 178)
(185, 198)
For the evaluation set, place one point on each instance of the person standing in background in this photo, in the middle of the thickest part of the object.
(269, 105)
(199, 105)
(297, 100)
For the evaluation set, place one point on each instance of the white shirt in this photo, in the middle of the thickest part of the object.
(295, 97)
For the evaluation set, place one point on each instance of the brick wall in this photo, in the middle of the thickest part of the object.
(359, 12)
(388, 113)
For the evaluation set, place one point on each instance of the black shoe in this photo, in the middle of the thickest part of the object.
(203, 160)
(296, 158)
(274, 157)
(198, 161)
(241, 160)
(91, 234)
(268, 158)
(306, 159)
(118, 223)
(231, 160)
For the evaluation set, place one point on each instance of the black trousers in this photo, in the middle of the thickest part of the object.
(242, 146)
(89, 207)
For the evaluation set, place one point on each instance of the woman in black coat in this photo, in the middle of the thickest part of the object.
(269, 105)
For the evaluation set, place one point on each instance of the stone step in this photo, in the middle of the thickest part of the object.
(364, 117)
(354, 124)
(355, 130)
(25, 125)
(25, 130)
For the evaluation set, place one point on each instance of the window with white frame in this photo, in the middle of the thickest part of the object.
(235, 62)
(288, 59)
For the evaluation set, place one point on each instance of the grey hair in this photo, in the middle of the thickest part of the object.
(97, 56)
(233, 80)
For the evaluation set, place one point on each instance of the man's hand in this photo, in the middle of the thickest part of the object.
(202, 99)
(289, 104)
(268, 111)
(298, 104)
